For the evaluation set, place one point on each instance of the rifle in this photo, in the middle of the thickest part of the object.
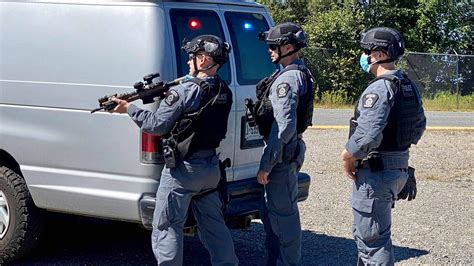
(147, 92)
(250, 112)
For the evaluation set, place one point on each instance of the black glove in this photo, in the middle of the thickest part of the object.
(409, 190)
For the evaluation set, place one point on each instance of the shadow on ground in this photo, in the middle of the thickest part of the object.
(87, 241)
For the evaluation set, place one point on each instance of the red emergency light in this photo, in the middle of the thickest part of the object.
(194, 24)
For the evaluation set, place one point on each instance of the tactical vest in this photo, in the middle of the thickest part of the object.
(207, 127)
(264, 109)
(399, 133)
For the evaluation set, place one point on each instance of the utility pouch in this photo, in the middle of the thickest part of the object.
(169, 153)
(375, 162)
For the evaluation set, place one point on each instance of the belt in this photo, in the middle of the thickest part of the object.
(388, 163)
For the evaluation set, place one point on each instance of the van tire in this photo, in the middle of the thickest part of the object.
(25, 219)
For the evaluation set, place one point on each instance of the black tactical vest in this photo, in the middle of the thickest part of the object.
(205, 128)
(264, 109)
(399, 133)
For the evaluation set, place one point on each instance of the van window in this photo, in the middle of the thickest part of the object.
(251, 55)
(188, 24)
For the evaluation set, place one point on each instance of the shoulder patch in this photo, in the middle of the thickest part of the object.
(283, 89)
(171, 97)
(369, 100)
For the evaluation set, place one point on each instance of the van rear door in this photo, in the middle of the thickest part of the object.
(252, 63)
(186, 21)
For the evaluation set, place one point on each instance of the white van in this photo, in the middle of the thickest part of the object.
(58, 57)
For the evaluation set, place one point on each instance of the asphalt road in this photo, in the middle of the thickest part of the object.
(340, 117)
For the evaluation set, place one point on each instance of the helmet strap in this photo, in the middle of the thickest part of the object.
(209, 67)
(390, 60)
(283, 56)
(196, 70)
(383, 61)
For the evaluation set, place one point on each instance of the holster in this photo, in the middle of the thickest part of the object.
(169, 152)
(375, 162)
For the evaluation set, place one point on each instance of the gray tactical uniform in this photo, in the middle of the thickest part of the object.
(374, 192)
(282, 156)
(200, 172)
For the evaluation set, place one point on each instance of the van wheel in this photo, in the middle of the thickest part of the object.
(21, 222)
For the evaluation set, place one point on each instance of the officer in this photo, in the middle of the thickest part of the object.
(389, 117)
(283, 111)
(192, 119)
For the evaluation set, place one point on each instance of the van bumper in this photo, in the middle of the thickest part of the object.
(244, 198)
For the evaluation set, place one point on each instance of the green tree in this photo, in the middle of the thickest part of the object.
(337, 65)
(401, 16)
(285, 11)
(442, 26)
(334, 30)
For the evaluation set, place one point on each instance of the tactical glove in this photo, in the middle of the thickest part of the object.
(409, 190)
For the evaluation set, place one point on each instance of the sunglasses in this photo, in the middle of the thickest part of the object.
(192, 56)
(273, 47)
(369, 52)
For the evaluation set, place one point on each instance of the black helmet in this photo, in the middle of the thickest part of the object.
(213, 45)
(383, 38)
(285, 33)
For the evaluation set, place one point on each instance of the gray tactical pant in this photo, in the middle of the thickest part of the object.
(174, 196)
(372, 196)
(280, 216)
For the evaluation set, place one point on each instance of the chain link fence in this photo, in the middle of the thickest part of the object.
(438, 76)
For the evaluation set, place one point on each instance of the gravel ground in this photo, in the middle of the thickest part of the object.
(435, 228)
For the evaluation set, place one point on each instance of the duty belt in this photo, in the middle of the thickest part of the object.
(382, 163)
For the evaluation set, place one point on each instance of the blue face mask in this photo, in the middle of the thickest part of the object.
(364, 63)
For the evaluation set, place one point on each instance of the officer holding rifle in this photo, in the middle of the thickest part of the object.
(192, 120)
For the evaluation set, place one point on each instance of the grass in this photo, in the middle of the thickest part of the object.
(441, 101)
(334, 100)
(446, 101)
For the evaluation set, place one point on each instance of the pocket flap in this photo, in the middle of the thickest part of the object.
(362, 205)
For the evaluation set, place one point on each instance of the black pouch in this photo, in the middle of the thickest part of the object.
(169, 153)
(375, 162)
(352, 126)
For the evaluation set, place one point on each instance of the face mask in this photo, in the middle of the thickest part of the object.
(364, 63)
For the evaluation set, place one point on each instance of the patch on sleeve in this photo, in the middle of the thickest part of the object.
(283, 89)
(172, 97)
(369, 100)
